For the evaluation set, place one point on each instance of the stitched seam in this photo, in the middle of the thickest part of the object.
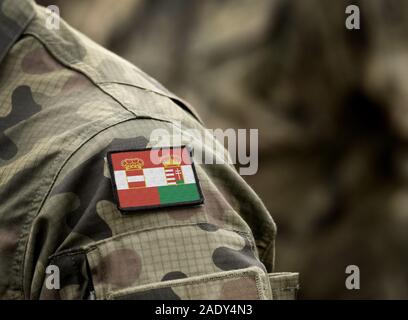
(202, 279)
(71, 67)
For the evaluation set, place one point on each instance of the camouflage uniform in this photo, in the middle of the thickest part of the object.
(65, 102)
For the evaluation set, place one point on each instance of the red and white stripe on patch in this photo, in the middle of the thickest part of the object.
(135, 179)
(174, 175)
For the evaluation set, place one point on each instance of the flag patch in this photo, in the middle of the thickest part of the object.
(154, 178)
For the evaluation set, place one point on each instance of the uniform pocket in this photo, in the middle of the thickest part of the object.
(190, 254)
(284, 285)
(180, 261)
(246, 284)
(170, 263)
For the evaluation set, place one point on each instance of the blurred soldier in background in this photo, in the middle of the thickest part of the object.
(330, 104)
(65, 104)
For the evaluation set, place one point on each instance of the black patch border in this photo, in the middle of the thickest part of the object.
(140, 208)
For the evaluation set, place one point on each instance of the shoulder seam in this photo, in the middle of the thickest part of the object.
(69, 66)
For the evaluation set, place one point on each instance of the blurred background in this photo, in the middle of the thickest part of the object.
(331, 106)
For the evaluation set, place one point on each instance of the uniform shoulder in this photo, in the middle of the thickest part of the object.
(111, 73)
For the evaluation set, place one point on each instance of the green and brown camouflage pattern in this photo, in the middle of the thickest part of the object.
(65, 102)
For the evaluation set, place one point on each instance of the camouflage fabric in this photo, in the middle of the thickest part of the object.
(64, 103)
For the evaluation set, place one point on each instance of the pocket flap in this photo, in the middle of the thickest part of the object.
(245, 284)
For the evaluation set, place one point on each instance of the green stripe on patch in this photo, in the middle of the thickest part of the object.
(178, 193)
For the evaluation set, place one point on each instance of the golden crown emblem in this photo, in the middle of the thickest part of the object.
(132, 164)
(171, 161)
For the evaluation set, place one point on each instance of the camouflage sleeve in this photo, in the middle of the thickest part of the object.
(210, 251)
(65, 104)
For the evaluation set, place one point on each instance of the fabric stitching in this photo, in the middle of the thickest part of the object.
(252, 272)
